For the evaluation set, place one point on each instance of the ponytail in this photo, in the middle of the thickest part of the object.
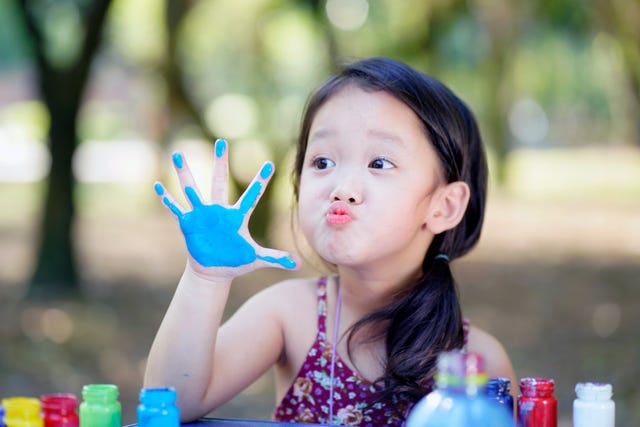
(421, 324)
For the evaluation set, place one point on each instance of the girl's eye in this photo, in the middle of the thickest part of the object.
(322, 163)
(381, 163)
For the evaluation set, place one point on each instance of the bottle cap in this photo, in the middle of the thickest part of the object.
(100, 391)
(593, 391)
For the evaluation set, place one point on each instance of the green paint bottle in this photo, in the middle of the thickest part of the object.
(100, 406)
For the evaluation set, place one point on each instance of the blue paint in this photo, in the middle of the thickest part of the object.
(158, 408)
(283, 261)
(192, 195)
(176, 210)
(221, 146)
(266, 171)
(177, 160)
(212, 232)
(250, 197)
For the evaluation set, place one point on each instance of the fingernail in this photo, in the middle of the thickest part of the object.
(266, 171)
(289, 262)
(177, 160)
(221, 146)
(159, 189)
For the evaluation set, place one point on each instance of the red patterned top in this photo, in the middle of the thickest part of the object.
(355, 398)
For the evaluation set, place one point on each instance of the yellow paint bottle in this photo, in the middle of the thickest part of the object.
(22, 412)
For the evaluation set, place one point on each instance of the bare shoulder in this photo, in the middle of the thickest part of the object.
(287, 299)
(497, 361)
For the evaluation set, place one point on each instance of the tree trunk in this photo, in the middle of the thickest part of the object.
(61, 90)
(56, 271)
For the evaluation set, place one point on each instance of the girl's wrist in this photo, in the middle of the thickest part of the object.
(198, 278)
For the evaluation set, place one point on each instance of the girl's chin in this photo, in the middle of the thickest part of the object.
(340, 259)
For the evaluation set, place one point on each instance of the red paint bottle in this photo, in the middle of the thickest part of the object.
(537, 406)
(60, 410)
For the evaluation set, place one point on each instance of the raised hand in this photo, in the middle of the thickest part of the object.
(216, 234)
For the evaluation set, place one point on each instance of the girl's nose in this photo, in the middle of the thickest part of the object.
(346, 194)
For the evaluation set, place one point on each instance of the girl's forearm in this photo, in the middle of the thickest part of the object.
(181, 355)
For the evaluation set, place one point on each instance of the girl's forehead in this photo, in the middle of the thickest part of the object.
(377, 112)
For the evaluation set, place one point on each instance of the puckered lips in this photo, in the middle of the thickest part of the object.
(338, 213)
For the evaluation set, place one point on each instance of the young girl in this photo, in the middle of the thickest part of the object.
(390, 183)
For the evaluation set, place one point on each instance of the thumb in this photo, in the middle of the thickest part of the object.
(278, 259)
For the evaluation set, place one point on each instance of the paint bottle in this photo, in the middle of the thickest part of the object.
(537, 406)
(22, 412)
(2, 417)
(593, 406)
(158, 408)
(100, 406)
(499, 389)
(458, 399)
(60, 410)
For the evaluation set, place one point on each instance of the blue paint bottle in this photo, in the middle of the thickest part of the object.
(499, 389)
(158, 408)
(2, 416)
(458, 399)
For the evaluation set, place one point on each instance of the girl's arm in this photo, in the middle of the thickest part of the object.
(207, 364)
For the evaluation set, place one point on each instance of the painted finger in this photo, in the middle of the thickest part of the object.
(278, 259)
(167, 199)
(255, 190)
(185, 177)
(220, 184)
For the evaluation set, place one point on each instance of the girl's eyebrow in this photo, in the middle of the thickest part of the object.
(321, 134)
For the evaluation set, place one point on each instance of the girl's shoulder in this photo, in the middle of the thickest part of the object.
(495, 356)
(289, 296)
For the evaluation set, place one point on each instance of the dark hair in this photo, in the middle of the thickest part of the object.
(426, 319)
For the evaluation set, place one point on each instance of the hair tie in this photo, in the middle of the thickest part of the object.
(441, 256)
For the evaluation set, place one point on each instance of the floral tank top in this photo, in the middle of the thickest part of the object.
(355, 398)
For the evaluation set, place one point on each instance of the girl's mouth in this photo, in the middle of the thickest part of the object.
(338, 214)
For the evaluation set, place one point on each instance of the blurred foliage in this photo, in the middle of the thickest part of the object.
(568, 56)
(537, 74)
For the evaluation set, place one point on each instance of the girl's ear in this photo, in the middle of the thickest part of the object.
(448, 207)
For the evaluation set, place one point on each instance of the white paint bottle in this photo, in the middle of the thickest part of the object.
(593, 406)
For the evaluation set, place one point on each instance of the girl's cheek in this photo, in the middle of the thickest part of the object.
(311, 189)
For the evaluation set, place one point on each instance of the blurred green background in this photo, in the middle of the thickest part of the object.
(95, 94)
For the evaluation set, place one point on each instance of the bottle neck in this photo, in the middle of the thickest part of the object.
(157, 396)
(471, 384)
(593, 391)
(537, 387)
(498, 387)
(21, 407)
(63, 404)
(100, 393)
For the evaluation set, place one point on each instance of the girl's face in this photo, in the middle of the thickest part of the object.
(367, 182)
